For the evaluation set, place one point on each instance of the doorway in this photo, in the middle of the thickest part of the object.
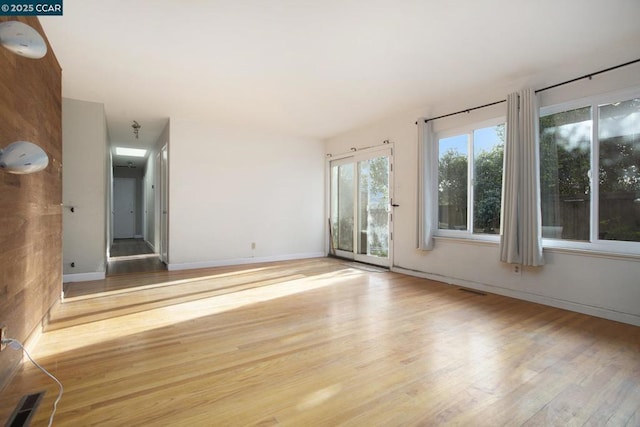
(124, 208)
(164, 204)
(360, 207)
(132, 247)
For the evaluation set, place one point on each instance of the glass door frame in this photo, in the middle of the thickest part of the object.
(354, 158)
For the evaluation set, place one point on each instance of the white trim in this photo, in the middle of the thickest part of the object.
(614, 247)
(467, 129)
(466, 235)
(138, 236)
(575, 104)
(470, 126)
(240, 261)
(83, 277)
(561, 247)
(587, 101)
(618, 316)
(592, 252)
(594, 181)
(353, 157)
(358, 151)
(473, 239)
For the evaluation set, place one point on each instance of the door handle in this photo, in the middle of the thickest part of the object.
(394, 205)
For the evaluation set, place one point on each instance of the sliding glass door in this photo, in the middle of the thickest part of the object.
(360, 207)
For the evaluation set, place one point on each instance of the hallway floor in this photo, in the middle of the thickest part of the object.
(133, 256)
(128, 247)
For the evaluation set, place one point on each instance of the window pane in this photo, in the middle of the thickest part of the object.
(373, 207)
(342, 206)
(488, 149)
(452, 182)
(619, 171)
(565, 151)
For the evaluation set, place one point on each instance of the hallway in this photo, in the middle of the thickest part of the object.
(132, 256)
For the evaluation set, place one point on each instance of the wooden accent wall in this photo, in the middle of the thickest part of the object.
(30, 205)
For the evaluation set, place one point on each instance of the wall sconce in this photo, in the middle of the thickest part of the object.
(23, 157)
(22, 39)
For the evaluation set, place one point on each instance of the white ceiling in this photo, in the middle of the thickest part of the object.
(317, 68)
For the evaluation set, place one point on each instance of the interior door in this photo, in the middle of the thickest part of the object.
(124, 208)
(164, 205)
(360, 207)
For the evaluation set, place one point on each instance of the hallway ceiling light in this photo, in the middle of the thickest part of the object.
(23, 157)
(131, 152)
(22, 39)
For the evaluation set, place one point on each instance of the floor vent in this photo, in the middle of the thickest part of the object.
(472, 291)
(24, 411)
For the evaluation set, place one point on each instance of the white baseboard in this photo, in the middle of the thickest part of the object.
(604, 313)
(138, 236)
(83, 277)
(240, 261)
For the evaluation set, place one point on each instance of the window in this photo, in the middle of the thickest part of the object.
(452, 182)
(565, 164)
(465, 205)
(590, 172)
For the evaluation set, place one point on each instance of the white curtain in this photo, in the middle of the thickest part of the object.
(520, 237)
(427, 182)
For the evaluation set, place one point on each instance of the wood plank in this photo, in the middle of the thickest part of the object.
(30, 212)
(320, 342)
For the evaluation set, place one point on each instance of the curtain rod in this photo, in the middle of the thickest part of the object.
(586, 76)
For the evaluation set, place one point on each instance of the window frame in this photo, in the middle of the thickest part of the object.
(465, 129)
(594, 244)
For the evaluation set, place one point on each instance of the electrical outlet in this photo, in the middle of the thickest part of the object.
(3, 333)
(253, 245)
(517, 270)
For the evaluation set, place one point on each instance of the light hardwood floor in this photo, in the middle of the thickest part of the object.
(321, 342)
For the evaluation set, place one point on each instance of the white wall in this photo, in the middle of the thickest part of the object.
(231, 187)
(152, 190)
(84, 176)
(600, 285)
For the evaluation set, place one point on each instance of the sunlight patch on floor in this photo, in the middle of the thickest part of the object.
(118, 328)
(162, 283)
(318, 397)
